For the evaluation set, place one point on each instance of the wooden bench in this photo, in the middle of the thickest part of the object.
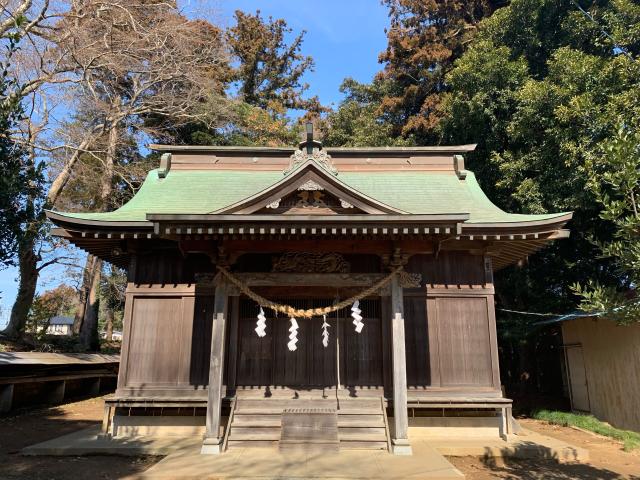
(496, 404)
(54, 370)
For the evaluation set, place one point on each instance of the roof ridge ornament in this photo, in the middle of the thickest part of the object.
(310, 149)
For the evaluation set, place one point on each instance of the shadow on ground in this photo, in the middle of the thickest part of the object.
(29, 426)
(545, 467)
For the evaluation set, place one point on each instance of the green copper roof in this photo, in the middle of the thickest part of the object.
(206, 191)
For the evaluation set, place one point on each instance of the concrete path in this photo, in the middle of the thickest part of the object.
(258, 463)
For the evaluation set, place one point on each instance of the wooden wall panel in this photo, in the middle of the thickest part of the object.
(612, 362)
(168, 266)
(417, 338)
(167, 341)
(449, 269)
(158, 338)
(464, 342)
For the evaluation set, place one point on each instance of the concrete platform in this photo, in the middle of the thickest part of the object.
(258, 463)
(428, 460)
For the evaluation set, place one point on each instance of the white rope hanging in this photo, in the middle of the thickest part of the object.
(357, 318)
(293, 335)
(261, 324)
(325, 332)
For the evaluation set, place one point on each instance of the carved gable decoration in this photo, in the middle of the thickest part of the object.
(312, 188)
(321, 157)
(310, 262)
(310, 199)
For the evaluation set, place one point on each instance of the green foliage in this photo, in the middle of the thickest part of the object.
(58, 301)
(263, 82)
(630, 440)
(21, 181)
(269, 71)
(356, 122)
(539, 89)
(613, 172)
(113, 283)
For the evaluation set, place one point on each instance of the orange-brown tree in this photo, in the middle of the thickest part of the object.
(425, 37)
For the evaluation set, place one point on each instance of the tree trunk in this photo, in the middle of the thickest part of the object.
(86, 320)
(60, 181)
(109, 316)
(87, 280)
(28, 265)
(89, 338)
(109, 161)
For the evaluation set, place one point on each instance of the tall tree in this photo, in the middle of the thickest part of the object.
(424, 40)
(264, 81)
(122, 61)
(268, 70)
(614, 177)
(356, 122)
(539, 88)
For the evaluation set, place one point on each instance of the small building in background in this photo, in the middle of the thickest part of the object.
(116, 335)
(60, 325)
(603, 369)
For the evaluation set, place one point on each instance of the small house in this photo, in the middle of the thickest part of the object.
(60, 325)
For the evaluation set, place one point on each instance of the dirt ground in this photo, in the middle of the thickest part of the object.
(21, 429)
(607, 459)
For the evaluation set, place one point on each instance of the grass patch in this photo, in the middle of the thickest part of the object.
(630, 440)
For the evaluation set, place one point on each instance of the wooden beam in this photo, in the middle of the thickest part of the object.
(212, 443)
(400, 440)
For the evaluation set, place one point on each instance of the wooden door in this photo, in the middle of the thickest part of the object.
(267, 361)
(577, 378)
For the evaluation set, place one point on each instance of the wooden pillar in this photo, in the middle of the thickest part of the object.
(400, 440)
(212, 443)
(56, 391)
(232, 355)
(6, 397)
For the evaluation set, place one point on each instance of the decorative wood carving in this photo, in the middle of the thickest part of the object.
(275, 204)
(411, 280)
(258, 279)
(311, 262)
(321, 157)
(310, 185)
(311, 199)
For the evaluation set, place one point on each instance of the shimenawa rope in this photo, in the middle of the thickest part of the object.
(311, 312)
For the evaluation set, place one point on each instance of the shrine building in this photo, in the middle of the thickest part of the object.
(354, 285)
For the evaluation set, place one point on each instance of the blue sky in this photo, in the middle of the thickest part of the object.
(344, 38)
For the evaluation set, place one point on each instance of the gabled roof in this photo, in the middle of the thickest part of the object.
(410, 192)
(222, 192)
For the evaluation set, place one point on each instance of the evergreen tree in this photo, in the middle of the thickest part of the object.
(540, 88)
(424, 39)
